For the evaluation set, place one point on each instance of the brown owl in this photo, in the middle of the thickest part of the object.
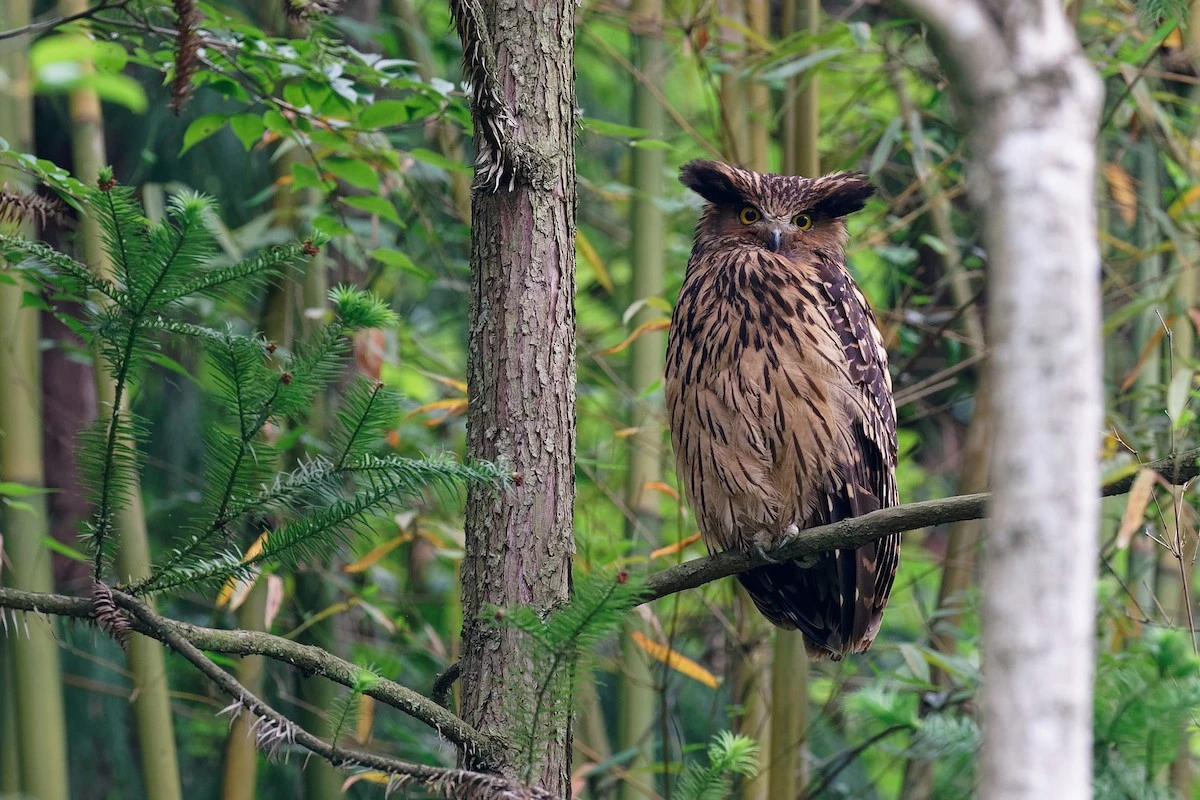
(780, 399)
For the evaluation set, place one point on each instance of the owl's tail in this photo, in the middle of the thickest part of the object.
(837, 603)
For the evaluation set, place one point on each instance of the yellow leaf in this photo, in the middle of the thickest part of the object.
(328, 611)
(381, 778)
(274, 600)
(659, 486)
(1183, 201)
(594, 261)
(451, 406)
(235, 590)
(376, 553)
(675, 548)
(366, 719)
(1135, 507)
(625, 433)
(679, 663)
(1120, 186)
(646, 327)
(453, 383)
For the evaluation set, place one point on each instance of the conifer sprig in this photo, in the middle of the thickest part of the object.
(561, 644)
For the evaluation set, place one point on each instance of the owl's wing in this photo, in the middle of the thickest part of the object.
(871, 472)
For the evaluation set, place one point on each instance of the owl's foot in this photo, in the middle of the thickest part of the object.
(765, 555)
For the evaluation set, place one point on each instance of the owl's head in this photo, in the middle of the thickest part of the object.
(781, 213)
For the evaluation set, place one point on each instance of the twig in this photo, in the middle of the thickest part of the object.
(38, 27)
(444, 682)
(242, 643)
(856, 532)
(274, 730)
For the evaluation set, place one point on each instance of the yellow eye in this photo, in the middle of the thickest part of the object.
(749, 215)
(802, 221)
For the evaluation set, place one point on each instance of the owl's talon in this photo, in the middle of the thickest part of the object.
(766, 556)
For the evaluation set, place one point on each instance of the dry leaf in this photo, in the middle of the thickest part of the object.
(1120, 186)
(366, 719)
(451, 406)
(274, 599)
(676, 661)
(381, 778)
(675, 548)
(370, 347)
(1153, 344)
(625, 433)
(1183, 201)
(646, 327)
(659, 486)
(236, 590)
(376, 553)
(589, 255)
(1135, 506)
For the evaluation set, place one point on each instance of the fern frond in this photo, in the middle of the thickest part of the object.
(250, 272)
(56, 270)
(729, 754)
(108, 461)
(123, 227)
(365, 412)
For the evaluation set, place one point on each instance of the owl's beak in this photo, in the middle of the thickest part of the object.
(774, 240)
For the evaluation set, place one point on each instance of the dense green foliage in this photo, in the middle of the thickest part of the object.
(354, 130)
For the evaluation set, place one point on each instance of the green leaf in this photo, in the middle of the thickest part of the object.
(305, 177)
(249, 128)
(352, 171)
(438, 160)
(51, 543)
(375, 205)
(276, 122)
(384, 114)
(792, 68)
(13, 489)
(329, 226)
(200, 129)
(398, 260)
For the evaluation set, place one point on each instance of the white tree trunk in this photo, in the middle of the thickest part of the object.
(1031, 101)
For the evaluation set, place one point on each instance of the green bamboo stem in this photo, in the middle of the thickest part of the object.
(151, 692)
(239, 774)
(40, 739)
(787, 764)
(638, 691)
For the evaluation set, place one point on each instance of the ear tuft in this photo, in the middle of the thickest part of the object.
(842, 193)
(712, 181)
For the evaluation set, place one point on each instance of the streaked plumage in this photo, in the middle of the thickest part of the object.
(779, 396)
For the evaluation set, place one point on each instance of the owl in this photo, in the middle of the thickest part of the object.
(779, 396)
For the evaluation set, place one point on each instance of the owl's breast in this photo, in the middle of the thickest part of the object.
(760, 400)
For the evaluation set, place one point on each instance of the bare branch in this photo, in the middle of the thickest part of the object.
(50, 24)
(273, 730)
(1176, 469)
(243, 643)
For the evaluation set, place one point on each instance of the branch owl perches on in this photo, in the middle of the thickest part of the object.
(779, 396)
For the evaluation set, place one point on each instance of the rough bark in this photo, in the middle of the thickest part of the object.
(638, 692)
(33, 658)
(1031, 102)
(521, 354)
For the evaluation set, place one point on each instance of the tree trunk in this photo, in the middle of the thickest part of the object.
(41, 740)
(521, 355)
(639, 695)
(1032, 102)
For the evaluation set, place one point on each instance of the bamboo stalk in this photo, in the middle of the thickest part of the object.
(787, 760)
(239, 773)
(151, 703)
(41, 742)
(638, 694)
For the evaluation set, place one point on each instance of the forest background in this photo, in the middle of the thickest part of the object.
(350, 128)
